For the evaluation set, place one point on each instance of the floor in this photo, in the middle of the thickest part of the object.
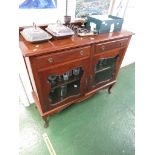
(101, 125)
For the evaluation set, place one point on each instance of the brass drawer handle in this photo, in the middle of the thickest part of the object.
(50, 60)
(81, 52)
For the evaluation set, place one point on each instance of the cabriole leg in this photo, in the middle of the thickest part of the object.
(46, 122)
(109, 89)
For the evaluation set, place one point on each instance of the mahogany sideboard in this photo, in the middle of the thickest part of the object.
(66, 71)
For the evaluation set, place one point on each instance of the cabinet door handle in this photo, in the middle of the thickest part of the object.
(81, 52)
(50, 60)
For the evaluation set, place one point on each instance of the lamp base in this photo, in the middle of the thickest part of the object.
(67, 19)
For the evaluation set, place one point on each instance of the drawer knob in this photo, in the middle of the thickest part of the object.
(50, 60)
(81, 52)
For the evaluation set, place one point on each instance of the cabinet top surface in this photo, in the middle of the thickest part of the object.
(33, 49)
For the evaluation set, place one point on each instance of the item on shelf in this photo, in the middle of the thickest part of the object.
(52, 79)
(76, 71)
(66, 76)
(63, 91)
(35, 34)
(70, 73)
(60, 78)
(59, 30)
(54, 95)
(75, 85)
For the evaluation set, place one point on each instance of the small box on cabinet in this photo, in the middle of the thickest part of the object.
(104, 23)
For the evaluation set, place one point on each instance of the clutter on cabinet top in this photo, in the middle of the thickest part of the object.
(59, 30)
(81, 20)
(35, 34)
(82, 32)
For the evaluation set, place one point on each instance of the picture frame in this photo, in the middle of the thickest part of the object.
(38, 4)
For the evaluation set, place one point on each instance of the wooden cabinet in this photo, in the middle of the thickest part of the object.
(67, 71)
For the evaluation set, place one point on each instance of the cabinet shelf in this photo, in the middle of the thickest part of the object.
(58, 95)
(70, 80)
(103, 69)
(104, 74)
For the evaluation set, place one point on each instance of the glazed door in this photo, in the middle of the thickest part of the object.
(63, 83)
(105, 67)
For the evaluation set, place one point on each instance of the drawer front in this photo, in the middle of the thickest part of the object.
(102, 47)
(64, 56)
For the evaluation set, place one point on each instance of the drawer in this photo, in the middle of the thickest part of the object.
(101, 47)
(62, 56)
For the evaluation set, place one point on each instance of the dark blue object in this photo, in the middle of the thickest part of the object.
(38, 4)
(103, 26)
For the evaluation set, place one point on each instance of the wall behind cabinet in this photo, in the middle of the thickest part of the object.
(42, 16)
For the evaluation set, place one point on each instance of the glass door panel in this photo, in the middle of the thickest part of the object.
(64, 85)
(105, 69)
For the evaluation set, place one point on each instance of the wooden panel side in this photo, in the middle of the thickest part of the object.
(31, 75)
(37, 103)
(29, 70)
(122, 54)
